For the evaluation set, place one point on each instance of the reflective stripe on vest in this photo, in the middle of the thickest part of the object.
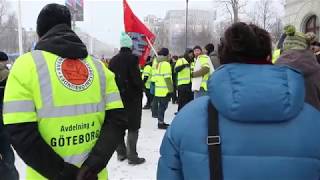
(183, 76)
(183, 79)
(162, 87)
(18, 106)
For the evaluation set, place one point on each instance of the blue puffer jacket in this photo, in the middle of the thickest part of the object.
(267, 131)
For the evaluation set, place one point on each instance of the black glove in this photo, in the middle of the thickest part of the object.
(69, 172)
(86, 174)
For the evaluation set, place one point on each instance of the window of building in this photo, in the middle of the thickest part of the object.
(312, 25)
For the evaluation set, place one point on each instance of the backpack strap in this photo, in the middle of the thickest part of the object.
(214, 144)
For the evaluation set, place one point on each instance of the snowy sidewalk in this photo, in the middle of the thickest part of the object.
(148, 147)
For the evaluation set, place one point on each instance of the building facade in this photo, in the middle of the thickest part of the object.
(303, 14)
(171, 31)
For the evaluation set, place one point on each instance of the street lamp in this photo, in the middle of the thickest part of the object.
(187, 9)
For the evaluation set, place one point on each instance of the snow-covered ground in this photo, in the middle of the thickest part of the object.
(148, 147)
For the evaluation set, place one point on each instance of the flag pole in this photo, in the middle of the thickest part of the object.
(150, 44)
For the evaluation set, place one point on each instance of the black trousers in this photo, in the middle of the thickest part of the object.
(7, 168)
(149, 97)
(174, 95)
(159, 107)
(130, 149)
(185, 95)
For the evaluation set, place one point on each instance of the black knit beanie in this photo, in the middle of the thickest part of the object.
(163, 52)
(52, 15)
(3, 56)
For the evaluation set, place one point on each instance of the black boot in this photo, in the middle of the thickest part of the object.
(163, 126)
(147, 107)
(121, 158)
(136, 161)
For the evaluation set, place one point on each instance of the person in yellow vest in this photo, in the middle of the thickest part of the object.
(163, 86)
(62, 108)
(183, 70)
(154, 104)
(202, 69)
(147, 74)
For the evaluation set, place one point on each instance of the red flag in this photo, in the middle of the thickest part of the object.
(138, 32)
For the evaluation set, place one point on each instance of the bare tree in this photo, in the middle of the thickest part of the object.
(3, 13)
(263, 15)
(233, 8)
(276, 30)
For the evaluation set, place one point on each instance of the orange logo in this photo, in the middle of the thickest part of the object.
(75, 74)
(75, 71)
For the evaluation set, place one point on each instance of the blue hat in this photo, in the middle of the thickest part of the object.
(125, 40)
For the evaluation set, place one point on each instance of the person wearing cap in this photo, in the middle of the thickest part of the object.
(62, 108)
(183, 70)
(296, 54)
(201, 71)
(125, 65)
(163, 87)
(6, 153)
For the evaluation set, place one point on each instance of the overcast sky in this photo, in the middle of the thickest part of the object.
(104, 18)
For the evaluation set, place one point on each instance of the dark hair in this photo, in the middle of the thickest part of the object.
(175, 57)
(163, 52)
(210, 48)
(3, 56)
(186, 54)
(243, 43)
(52, 15)
(315, 43)
(197, 47)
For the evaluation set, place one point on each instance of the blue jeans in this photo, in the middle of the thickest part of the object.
(159, 107)
(200, 93)
(152, 88)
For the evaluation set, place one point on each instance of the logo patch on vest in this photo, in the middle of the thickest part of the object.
(74, 74)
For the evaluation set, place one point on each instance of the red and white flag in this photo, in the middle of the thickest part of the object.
(139, 33)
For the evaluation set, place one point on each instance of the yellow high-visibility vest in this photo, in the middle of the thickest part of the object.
(192, 66)
(276, 54)
(67, 98)
(163, 72)
(154, 69)
(204, 61)
(147, 72)
(184, 76)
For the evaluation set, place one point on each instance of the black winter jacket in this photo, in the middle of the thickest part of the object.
(125, 66)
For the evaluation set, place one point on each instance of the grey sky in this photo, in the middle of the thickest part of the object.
(104, 18)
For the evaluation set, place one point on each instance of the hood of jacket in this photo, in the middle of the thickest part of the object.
(257, 93)
(302, 60)
(162, 59)
(62, 41)
(213, 54)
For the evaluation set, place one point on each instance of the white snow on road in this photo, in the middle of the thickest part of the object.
(149, 142)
